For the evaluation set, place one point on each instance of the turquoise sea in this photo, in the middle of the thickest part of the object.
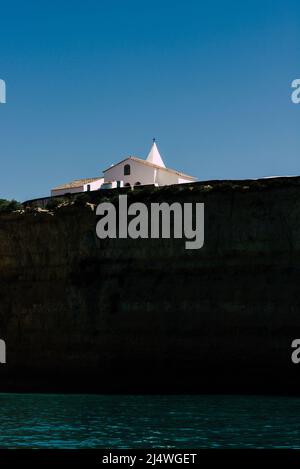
(101, 421)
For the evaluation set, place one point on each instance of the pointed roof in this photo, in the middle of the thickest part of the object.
(154, 156)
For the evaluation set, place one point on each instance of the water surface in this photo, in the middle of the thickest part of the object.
(98, 421)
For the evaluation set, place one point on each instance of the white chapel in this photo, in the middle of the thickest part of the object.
(129, 172)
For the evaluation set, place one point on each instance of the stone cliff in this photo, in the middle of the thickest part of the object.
(82, 314)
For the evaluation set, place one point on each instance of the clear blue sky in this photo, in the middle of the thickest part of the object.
(89, 82)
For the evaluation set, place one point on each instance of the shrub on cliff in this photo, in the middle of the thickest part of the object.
(81, 199)
(52, 204)
(10, 205)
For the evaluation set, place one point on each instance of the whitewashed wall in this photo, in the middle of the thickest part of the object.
(94, 185)
(139, 173)
(73, 190)
(165, 178)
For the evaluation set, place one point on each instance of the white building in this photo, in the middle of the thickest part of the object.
(131, 171)
(79, 185)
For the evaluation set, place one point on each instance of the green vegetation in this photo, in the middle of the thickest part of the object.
(52, 204)
(80, 200)
(10, 205)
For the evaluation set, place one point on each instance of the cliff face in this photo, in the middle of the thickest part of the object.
(82, 314)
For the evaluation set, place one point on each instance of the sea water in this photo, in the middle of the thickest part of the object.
(117, 421)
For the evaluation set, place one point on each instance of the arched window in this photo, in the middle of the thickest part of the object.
(137, 183)
(127, 184)
(127, 170)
